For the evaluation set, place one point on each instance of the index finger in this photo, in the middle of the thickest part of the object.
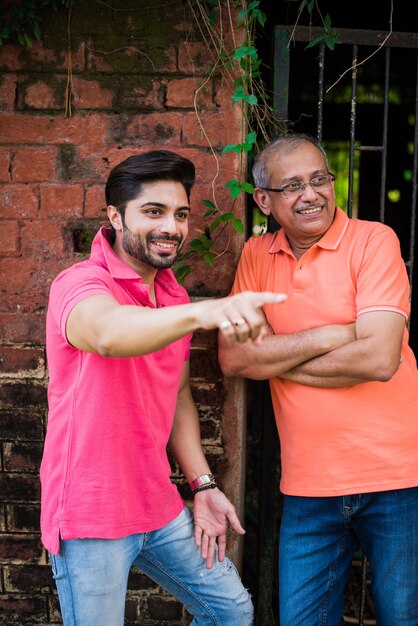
(268, 297)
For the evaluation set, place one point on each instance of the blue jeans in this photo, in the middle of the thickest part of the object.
(318, 539)
(92, 574)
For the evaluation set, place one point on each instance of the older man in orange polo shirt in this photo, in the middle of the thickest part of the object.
(344, 386)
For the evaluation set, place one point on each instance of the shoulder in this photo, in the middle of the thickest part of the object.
(83, 273)
(259, 244)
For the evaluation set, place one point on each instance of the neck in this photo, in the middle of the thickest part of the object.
(300, 247)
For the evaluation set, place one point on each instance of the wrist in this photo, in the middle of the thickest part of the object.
(203, 482)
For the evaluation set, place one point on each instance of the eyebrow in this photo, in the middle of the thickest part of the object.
(160, 205)
(317, 172)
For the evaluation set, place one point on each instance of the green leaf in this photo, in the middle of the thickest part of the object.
(209, 258)
(209, 204)
(235, 147)
(238, 226)
(248, 187)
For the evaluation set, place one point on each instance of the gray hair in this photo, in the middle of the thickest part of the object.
(282, 145)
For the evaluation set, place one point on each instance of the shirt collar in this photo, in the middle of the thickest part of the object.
(329, 241)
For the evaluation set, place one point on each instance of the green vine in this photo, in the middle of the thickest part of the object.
(240, 68)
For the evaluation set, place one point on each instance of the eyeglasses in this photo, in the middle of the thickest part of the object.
(295, 189)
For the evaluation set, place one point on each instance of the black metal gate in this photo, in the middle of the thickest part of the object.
(361, 101)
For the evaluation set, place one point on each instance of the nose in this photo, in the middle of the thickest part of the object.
(169, 225)
(309, 191)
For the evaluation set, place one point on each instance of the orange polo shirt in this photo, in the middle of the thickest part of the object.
(351, 439)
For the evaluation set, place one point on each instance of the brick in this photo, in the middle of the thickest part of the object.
(17, 609)
(23, 394)
(146, 94)
(195, 57)
(9, 238)
(205, 364)
(90, 94)
(22, 425)
(19, 488)
(43, 240)
(40, 57)
(34, 164)
(23, 517)
(28, 578)
(19, 327)
(48, 129)
(18, 201)
(164, 608)
(79, 164)
(8, 84)
(15, 273)
(22, 457)
(220, 130)
(188, 92)
(42, 95)
(138, 581)
(2, 528)
(95, 203)
(150, 128)
(15, 359)
(130, 58)
(58, 201)
(11, 57)
(5, 160)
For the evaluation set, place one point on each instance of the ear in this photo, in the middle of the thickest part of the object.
(114, 217)
(263, 200)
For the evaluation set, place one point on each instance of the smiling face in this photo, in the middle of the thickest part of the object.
(305, 217)
(154, 227)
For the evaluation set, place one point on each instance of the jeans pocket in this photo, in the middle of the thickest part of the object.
(54, 564)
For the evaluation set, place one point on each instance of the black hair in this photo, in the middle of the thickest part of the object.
(126, 179)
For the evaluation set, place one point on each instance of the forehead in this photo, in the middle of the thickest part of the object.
(167, 192)
(302, 160)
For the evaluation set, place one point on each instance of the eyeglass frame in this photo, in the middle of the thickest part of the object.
(330, 176)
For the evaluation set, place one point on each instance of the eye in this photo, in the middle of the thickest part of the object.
(154, 212)
(292, 186)
(182, 215)
(319, 180)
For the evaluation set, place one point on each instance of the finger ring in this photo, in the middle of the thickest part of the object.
(224, 325)
(240, 322)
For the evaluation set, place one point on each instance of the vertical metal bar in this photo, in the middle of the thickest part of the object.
(353, 111)
(281, 73)
(268, 498)
(384, 137)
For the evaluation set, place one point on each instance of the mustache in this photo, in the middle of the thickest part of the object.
(175, 238)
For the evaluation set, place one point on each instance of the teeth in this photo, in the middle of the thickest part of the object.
(309, 211)
(163, 245)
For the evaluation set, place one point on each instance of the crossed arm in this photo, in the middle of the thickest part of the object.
(327, 356)
(212, 510)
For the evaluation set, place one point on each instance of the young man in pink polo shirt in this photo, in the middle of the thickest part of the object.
(344, 386)
(118, 340)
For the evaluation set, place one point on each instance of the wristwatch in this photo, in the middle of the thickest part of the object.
(205, 479)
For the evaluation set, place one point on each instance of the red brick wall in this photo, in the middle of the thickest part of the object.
(134, 77)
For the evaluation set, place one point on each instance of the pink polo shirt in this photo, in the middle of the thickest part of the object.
(353, 439)
(105, 471)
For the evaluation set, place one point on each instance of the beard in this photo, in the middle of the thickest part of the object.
(141, 251)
